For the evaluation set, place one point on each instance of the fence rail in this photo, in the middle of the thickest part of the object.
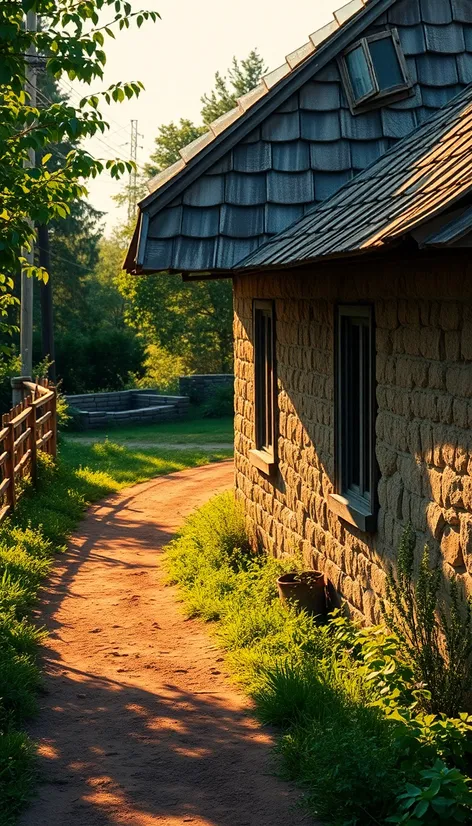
(29, 427)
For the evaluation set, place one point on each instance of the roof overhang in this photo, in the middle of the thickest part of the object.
(244, 125)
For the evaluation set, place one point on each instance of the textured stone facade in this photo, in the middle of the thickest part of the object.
(423, 316)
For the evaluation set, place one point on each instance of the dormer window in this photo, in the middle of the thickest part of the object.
(374, 68)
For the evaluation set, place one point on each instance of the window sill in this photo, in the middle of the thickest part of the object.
(264, 461)
(352, 513)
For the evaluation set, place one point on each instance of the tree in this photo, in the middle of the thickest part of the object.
(190, 320)
(75, 244)
(69, 41)
(243, 76)
(170, 138)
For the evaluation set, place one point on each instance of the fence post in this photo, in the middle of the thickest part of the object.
(10, 463)
(17, 388)
(54, 422)
(31, 423)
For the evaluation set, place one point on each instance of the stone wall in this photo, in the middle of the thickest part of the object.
(423, 312)
(97, 410)
(200, 387)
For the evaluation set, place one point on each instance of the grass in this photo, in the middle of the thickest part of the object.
(28, 543)
(189, 431)
(331, 689)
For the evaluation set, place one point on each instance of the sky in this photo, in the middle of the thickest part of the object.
(176, 59)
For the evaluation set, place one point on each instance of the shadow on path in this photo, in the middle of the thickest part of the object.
(139, 723)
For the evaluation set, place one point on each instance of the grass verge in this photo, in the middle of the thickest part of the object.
(352, 732)
(28, 542)
(194, 430)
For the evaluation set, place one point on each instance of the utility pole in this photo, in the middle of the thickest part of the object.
(26, 311)
(133, 175)
(47, 320)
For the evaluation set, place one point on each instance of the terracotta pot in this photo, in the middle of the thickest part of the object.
(305, 591)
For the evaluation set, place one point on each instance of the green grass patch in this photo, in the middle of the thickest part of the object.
(194, 430)
(29, 541)
(351, 729)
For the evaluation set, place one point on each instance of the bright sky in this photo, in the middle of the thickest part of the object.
(176, 59)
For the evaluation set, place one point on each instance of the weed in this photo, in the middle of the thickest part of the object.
(345, 699)
(437, 640)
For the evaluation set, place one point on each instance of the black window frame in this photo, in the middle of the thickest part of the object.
(355, 417)
(370, 99)
(264, 456)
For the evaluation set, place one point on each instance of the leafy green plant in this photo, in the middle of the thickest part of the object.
(347, 699)
(44, 193)
(442, 796)
(435, 635)
(220, 403)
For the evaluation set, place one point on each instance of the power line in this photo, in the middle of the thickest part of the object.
(65, 260)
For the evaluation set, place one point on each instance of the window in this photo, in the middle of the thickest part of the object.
(374, 68)
(355, 417)
(264, 386)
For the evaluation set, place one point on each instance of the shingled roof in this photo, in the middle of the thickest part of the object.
(293, 142)
(424, 175)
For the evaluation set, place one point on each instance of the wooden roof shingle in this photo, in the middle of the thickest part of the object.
(420, 177)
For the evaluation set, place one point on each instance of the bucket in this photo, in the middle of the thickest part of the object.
(305, 591)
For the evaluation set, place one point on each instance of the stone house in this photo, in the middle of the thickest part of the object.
(337, 198)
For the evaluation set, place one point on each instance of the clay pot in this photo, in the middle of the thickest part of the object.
(305, 591)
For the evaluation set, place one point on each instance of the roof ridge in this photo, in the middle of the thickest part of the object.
(292, 61)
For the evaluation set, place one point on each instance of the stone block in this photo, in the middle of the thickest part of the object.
(451, 488)
(459, 381)
(449, 316)
(466, 539)
(435, 520)
(430, 343)
(460, 412)
(452, 346)
(451, 549)
(444, 408)
(467, 492)
(435, 482)
(451, 516)
(466, 341)
(387, 459)
(386, 314)
(437, 375)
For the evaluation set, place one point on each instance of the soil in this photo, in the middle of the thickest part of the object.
(139, 723)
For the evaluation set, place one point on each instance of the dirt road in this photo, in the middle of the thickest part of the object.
(140, 724)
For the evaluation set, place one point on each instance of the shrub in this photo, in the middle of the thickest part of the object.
(220, 403)
(442, 796)
(161, 369)
(102, 361)
(436, 635)
(353, 730)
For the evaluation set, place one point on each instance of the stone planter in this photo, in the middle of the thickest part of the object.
(305, 591)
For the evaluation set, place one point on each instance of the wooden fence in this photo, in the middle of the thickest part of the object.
(29, 427)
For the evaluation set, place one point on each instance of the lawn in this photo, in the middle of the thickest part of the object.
(29, 542)
(198, 431)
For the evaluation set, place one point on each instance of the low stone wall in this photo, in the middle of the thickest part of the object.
(200, 387)
(127, 406)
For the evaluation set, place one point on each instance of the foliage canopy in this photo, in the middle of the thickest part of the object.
(69, 41)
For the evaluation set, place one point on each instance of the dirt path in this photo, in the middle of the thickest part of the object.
(140, 725)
